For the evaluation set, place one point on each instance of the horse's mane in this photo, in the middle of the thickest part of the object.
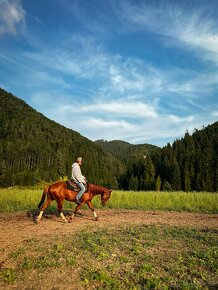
(97, 188)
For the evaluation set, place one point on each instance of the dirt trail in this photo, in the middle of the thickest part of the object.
(18, 227)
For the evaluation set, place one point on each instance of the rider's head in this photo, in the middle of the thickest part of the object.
(79, 160)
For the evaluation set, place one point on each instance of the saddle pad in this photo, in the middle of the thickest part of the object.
(72, 186)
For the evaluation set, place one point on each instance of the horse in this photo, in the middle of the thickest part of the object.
(58, 191)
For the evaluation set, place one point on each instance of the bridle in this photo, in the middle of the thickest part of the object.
(100, 197)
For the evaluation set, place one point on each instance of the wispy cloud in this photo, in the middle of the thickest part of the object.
(130, 95)
(163, 128)
(215, 113)
(133, 82)
(79, 56)
(104, 124)
(127, 121)
(119, 108)
(128, 78)
(179, 25)
(109, 93)
(12, 17)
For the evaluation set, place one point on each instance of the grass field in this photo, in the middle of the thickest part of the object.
(22, 199)
(121, 255)
(130, 257)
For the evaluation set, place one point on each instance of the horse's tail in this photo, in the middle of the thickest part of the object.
(44, 195)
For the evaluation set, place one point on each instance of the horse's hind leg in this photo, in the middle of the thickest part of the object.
(60, 205)
(43, 208)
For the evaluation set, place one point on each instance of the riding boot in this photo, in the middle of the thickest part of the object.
(78, 201)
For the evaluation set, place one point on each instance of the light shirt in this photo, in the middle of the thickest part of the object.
(76, 173)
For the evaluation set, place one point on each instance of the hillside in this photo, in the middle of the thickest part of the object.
(192, 162)
(125, 151)
(34, 148)
(189, 164)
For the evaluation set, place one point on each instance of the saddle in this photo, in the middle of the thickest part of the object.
(72, 185)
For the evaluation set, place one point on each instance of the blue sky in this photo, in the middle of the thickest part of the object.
(139, 71)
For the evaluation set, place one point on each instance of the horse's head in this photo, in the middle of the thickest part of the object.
(106, 193)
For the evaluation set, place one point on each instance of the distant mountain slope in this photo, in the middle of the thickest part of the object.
(189, 164)
(34, 148)
(125, 151)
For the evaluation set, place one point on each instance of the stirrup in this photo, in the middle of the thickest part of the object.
(78, 201)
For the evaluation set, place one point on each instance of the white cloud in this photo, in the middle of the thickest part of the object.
(215, 113)
(194, 83)
(122, 83)
(118, 108)
(12, 17)
(201, 33)
(116, 76)
(125, 120)
(178, 24)
(144, 131)
(79, 56)
(131, 98)
(98, 123)
(121, 119)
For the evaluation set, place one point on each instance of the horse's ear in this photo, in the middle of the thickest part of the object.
(110, 190)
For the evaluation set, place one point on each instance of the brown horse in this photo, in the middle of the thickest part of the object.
(58, 192)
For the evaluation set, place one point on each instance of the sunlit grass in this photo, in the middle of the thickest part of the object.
(22, 199)
(172, 201)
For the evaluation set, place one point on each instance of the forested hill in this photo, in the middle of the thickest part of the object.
(192, 162)
(125, 151)
(34, 148)
(189, 164)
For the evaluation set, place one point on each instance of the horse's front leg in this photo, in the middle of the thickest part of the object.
(76, 210)
(90, 205)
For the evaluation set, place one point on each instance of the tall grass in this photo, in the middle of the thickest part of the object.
(170, 201)
(22, 199)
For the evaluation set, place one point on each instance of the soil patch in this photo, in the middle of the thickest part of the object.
(18, 227)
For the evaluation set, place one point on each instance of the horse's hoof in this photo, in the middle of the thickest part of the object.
(70, 221)
(97, 219)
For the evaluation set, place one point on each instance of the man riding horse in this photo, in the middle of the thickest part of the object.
(59, 191)
(78, 178)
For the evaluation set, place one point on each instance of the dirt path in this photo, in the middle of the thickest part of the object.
(19, 227)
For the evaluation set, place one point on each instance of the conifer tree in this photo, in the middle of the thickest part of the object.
(133, 183)
(158, 183)
(167, 186)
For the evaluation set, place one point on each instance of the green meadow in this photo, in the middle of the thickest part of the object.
(125, 257)
(22, 199)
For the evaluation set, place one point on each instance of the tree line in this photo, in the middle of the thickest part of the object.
(189, 164)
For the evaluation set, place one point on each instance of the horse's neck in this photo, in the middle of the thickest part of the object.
(95, 189)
